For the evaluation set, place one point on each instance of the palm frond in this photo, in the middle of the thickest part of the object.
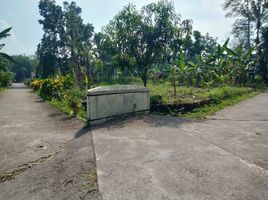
(5, 33)
(6, 57)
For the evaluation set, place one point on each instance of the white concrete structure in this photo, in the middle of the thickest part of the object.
(104, 103)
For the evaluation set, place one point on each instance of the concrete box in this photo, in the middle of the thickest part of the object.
(107, 102)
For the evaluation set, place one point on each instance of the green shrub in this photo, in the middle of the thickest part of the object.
(74, 99)
(5, 78)
(219, 94)
(36, 84)
(55, 88)
(156, 99)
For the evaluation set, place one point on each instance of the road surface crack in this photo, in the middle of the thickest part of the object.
(11, 175)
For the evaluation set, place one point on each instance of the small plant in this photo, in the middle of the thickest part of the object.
(55, 88)
(74, 98)
(156, 99)
(36, 84)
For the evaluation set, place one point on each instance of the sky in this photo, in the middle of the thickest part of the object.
(23, 15)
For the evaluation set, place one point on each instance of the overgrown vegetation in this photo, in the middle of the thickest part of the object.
(188, 95)
(210, 109)
(155, 47)
(2, 89)
(192, 102)
(5, 75)
(63, 93)
(23, 67)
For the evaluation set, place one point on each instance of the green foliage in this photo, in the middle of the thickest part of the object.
(5, 75)
(262, 66)
(49, 50)
(62, 93)
(151, 42)
(53, 88)
(208, 110)
(215, 98)
(66, 43)
(216, 95)
(22, 66)
(2, 89)
(163, 93)
(36, 84)
(5, 78)
(145, 36)
(156, 99)
(251, 16)
(74, 99)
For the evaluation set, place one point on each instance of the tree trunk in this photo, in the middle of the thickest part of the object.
(144, 78)
(248, 34)
(248, 26)
(89, 76)
(78, 73)
(174, 83)
(174, 88)
(258, 32)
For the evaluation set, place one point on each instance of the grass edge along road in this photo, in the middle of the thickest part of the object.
(69, 100)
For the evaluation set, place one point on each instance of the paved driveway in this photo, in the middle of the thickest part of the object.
(44, 154)
(162, 158)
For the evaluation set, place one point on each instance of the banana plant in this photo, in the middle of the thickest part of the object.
(181, 66)
(241, 63)
(4, 34)
(195, 70)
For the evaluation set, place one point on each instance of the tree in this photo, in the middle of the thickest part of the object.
(50, 49)
(77, 38)
(145, 35)
(5, 75)
(263, 60)
(5, 33)
(251, 15)
(22, 67)
(259, 15)
(240, 63)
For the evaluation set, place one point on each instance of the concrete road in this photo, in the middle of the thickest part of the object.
(161, 158)
(44, 154)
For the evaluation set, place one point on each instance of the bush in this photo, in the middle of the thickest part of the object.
(62, 93)
(219, 94)
(55, 88)
(36, 84)
(156, 99)
(5, 78)
(74, 99)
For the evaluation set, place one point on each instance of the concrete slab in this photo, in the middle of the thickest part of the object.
(157, 157)
(104, 103)
(49, 153)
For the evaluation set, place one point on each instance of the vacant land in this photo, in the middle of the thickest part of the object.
(194, 102)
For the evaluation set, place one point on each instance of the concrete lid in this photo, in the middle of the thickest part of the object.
(117, 89)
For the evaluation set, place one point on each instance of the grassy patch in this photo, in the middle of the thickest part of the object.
(188, 95)
(64, 106)
(184, 94)
(2, 89)
(218, 98)
(92, 179)
(211, 109)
